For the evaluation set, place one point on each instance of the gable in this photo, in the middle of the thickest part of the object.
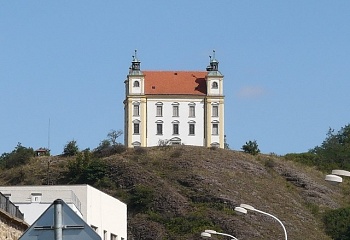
(175, 82)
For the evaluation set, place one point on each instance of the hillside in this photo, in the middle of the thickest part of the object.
(175, 193)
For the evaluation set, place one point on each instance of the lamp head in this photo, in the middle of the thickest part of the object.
(334, 179)
(205, 235)
(241, 210)
(341, 173)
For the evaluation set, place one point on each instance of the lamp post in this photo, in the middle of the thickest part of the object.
(334, 177)
(207, 234)
(243, 208)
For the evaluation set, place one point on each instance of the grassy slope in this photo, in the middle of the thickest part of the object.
(195, 188)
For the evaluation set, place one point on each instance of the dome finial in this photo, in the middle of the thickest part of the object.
(213, 64)
(135, 64)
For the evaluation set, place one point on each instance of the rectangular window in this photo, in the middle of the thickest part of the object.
(136, 128)
(159, 129)
(192, 111)
(36, 197)
(175, 128)
(215, 129)
(136, 110)
(159, 111)
(104, 235)
(113, 237)
(215, 112)
(175, 111)
(192, 129)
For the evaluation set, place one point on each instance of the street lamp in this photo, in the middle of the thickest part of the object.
(207, 234)
(243, 208)
(334, 177)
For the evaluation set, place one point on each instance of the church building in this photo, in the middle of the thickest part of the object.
(174, 107)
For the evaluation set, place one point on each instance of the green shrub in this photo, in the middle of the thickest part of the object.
(19, 156)
(251, 147)
(84, 169)
(141, 198)
(71, 148)
(337, 223)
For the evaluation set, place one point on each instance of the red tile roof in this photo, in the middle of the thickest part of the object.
(175, 82)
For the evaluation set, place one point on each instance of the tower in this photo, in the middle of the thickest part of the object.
(135, 106)
(214, 117)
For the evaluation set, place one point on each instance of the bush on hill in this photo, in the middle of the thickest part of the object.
(19, 156)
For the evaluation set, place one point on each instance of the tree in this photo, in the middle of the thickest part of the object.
(113, 135)
(71, 148)
(334, 151)
(226, 145)
(109, 146)
(85, 169)
(19, 156)
(251, 147)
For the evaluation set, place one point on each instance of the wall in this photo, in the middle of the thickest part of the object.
(11, 228)
(167, 118)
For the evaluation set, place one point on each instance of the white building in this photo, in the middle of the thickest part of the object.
(105, 214)
(179, 107)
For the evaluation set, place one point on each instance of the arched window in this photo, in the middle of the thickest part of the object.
(214, 85)
(136, 84)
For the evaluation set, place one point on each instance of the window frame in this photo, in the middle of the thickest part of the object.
(136, 128)
(191, 129)
(136, 110)
(215, 128)
(175, 110)
(176, 128)
(215, 111)
(192, 111)
(159, 128)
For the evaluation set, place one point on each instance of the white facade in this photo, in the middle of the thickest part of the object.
(183, 120)
(105, 214)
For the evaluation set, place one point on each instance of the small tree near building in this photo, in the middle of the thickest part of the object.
(71, 148)
(251, 147)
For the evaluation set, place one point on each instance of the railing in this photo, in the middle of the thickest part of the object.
(9, 207)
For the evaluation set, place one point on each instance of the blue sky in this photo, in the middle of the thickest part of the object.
(286, 66)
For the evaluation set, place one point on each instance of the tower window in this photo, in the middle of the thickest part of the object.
(215, 130)
(215, 112)
(214, 85)
(136, 128)
(136, 84)
(136, 110)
